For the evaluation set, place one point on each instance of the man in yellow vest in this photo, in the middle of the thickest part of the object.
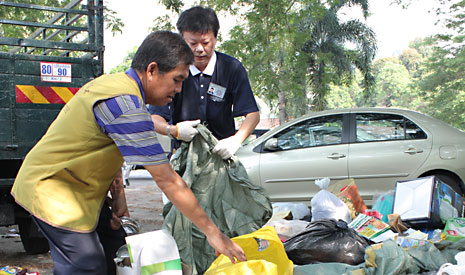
(64, 179)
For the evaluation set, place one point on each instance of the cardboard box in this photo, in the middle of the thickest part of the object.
(455, 229)
(426, 202)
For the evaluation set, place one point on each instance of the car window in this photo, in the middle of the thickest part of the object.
(318, 131)
(379, 127)
(412, 131)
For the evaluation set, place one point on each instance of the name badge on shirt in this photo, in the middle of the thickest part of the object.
(216, 92)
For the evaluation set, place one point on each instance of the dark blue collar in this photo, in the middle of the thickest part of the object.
(134, 76)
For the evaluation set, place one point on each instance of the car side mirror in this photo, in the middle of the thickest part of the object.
(271, 144)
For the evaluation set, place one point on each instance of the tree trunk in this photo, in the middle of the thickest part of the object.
(281, 107)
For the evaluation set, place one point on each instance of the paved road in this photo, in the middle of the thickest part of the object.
(145, 206)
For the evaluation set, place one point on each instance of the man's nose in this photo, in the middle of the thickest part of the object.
(178, 88)
(198, 48)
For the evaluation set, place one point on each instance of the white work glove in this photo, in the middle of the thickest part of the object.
(186, 129)
(227, 147)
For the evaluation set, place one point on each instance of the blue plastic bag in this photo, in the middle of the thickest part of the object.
(384, 205)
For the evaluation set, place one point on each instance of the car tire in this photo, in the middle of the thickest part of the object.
(452, 182)
(33, 241)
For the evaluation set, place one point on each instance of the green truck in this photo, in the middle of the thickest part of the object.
(46, 54)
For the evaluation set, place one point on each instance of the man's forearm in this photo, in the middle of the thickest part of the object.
(185, 201)
(160, 124)
(119, 205)
(181, 196)
(250, 122)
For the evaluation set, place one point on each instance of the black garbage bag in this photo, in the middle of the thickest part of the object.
(326, 241)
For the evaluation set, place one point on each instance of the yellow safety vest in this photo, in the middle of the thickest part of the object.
(65, 177)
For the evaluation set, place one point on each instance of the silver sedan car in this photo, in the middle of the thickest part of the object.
(374, 146)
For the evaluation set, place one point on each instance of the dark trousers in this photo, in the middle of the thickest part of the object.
(84, 253)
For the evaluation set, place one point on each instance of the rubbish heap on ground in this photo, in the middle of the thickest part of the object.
(417, 228)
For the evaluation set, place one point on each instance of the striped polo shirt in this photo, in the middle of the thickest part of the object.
(126, 120)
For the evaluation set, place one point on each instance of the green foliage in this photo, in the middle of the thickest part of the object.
(297, 58)
(126, 64)
(444, 81)
(163, 23)
(267, 44)
(444, 86)
(329, 59)
(293, 50)
(174, 5)
(111, 20)
(410, 58)
(428, 76)
(423, 46)
(22, 14)
(346, 96)
(394, 87)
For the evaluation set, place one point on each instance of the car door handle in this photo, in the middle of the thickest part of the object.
(336, 156)
(413, 150)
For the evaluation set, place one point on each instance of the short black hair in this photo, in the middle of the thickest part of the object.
(198, 19)
(166, 48)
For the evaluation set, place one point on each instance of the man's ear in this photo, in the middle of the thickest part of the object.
(152, 68)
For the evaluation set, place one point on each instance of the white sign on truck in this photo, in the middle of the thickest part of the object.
(55, 72)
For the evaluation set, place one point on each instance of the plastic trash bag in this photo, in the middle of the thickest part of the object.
(298, 210)
(288, 228)
(449, 268)
(325, 205)
(326, 241)
(384, 204)
(265, 255)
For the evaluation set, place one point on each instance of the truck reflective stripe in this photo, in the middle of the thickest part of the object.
(63, 92)
(21, 97)
(32, 94)
(44, 95)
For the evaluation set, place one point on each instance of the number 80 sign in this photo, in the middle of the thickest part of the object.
(55, 72)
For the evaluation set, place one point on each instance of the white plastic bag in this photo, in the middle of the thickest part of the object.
(287, 229)
(325, 205)
(298, 210)
(450, 269)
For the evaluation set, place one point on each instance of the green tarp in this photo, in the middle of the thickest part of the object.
(223, 190)
(390, 258)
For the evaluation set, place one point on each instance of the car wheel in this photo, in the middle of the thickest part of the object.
(452, 182)
(33, 241)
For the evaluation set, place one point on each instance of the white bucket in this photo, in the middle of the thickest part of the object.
(154, 251)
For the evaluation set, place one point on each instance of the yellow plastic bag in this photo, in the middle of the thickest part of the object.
(265, 255)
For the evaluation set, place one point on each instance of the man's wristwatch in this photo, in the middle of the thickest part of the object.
(168, 127)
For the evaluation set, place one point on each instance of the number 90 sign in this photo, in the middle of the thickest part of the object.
(55, 72)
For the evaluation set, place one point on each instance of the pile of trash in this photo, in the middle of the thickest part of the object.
(15, 270)
(418, 228)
